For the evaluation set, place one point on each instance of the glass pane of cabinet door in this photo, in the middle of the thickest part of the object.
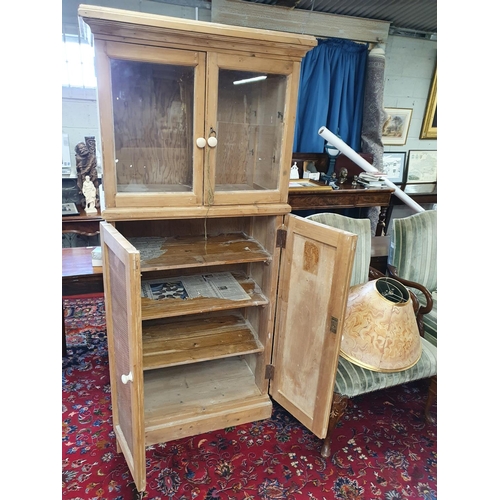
(157, 107)
(248, 122)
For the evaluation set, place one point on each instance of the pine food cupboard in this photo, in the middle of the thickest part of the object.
(217, 298)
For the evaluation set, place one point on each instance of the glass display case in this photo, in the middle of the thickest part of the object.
(205, 122)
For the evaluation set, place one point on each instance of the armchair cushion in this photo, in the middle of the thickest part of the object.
(352, 380)
(413, 248)
(413, 253)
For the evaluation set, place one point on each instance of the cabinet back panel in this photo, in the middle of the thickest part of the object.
(250, 125)
(186, 227)
(177, 391)
(153, 117)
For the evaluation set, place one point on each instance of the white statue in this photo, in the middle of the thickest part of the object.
(294, 171)
(90, 192)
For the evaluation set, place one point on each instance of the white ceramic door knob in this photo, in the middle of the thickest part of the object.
(127, 378)
(212, 142)
(201, 142)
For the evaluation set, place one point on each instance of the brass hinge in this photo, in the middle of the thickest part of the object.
(269, 372)
(333, 325)
(281, 238)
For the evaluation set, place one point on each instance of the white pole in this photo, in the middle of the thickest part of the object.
(361, 162)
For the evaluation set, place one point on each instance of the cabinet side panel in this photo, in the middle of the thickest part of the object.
(292, 92)
(103, 74)
(264, 230)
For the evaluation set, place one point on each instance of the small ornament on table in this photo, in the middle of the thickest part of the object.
(333, 182)
(294, 171)
(355, 180)
(90, 192)
(343, 175)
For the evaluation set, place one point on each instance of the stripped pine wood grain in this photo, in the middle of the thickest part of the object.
(190, 340)
(196, 251)
(186, 400)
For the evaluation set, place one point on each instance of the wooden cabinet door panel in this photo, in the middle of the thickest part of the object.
(249, 164)
(151, 103)
(315, 272)
(121, 266)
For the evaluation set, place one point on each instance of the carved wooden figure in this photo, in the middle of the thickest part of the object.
(86, 165)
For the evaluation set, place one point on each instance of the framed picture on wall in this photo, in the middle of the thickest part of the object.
(429, 125)
(396, 126)
(393, 165)
(422, 167)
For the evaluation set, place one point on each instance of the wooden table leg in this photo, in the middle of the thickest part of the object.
(381, 226)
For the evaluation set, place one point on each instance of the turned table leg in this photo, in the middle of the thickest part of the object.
(381, 225)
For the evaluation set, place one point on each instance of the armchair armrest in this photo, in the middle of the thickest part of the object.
(393, 273)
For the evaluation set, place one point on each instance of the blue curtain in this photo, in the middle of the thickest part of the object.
(331, 90)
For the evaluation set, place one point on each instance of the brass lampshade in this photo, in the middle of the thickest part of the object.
(380, 328)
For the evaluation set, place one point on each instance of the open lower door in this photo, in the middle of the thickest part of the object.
(121, 272)
(315, 272)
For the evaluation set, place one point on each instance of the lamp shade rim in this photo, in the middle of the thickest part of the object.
(378, 369)
(392, 291)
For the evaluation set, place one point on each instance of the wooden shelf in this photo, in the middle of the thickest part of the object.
(191, 399)
(196, 251)
(171, 343)
(168, 308)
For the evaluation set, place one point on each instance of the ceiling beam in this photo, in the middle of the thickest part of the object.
(320, 25)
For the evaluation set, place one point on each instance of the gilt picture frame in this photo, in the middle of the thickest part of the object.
(396, 126)
(429, 123)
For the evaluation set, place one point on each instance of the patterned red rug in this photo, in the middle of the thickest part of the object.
(382, 450)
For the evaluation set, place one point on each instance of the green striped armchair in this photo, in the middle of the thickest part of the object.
(413, 261)
(352, 380)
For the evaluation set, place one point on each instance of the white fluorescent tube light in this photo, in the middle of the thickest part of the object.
(361, 162)
(250, 80)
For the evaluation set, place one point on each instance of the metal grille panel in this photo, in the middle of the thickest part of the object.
(404, 14)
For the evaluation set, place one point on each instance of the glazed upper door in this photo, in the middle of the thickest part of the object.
(152, 105)
(121, 267)
(315, 273)
(250, 113)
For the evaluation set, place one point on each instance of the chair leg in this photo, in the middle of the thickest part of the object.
(339, 405)
(431, 399)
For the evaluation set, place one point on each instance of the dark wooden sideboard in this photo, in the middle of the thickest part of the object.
(86, 225)
(321, 197)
